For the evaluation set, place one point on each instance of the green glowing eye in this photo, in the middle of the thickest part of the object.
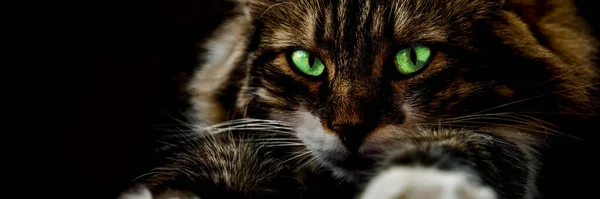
(411, 60)
(307, 63)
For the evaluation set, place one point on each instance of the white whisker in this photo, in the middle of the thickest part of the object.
(535, 97)
(296, 156)
(310, 161)
(146, 174)
(276, 144)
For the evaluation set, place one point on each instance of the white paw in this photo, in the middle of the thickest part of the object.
(425, 183)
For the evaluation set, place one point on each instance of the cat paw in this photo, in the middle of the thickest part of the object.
(425, 183)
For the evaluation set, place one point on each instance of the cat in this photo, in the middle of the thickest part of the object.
(383, 99)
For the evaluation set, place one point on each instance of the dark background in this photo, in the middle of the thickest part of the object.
(131, 57)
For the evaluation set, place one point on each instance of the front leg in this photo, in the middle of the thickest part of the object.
(453, 165)
(220, 166)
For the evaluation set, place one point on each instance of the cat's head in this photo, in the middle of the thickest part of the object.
(353, 76)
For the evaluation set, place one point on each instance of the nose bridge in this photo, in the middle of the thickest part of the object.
(350, 101)
(351, 111)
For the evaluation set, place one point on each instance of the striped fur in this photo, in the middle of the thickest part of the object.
(504, 75)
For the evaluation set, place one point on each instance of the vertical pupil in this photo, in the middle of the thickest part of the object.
(413, 55)
(311, 60)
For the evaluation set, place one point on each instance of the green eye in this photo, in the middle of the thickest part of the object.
(307, 63)
(411, 60)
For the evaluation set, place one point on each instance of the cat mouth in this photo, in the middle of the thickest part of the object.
(351, 164)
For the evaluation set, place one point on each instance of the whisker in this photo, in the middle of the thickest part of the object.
(302, 159)
(522, 128)
(509, 119)
(507, 116)
(146, 174)
(186, 137)
(247, 121)
(177, 120)
(535, 97)
(276, 144)
(559, 76)
(249, 130)
(319, 165)
(310, 161)
(544, 132)
(274, 5)
(254, 125)
(246, 105)
(296, 156)
(166, 147)
(274, 139)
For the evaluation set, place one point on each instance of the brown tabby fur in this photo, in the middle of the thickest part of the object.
(504, 75)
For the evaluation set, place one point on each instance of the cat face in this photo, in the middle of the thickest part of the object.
(354, 76)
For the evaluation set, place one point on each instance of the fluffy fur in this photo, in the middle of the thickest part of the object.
(504, 75)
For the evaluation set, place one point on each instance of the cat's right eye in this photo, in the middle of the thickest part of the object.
(307, 63)
(412, 60)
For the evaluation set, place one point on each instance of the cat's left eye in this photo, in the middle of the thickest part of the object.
(412, 60)
(307, 63)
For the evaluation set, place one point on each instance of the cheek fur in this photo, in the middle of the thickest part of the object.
(309, 129)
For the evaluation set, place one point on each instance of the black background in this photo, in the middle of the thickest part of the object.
(130, 58)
